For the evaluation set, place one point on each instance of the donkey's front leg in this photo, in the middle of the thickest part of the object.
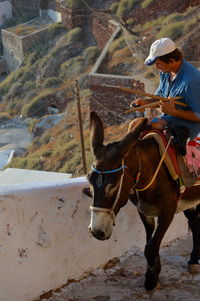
(152, 250)
(194, 224)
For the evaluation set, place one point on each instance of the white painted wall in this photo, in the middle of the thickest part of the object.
(44, 240)
(6, 157)
(54, 15)
(5, 11)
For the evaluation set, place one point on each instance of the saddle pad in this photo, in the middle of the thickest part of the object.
(170, 160)
(192, 157)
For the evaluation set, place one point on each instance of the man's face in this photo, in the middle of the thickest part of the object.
(164, 67)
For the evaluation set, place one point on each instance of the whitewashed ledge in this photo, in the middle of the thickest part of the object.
(44, 239)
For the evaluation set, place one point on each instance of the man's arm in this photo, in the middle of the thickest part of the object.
(170, 109)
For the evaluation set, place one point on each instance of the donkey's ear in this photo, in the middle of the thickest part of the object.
(96, 131)
(130, 139)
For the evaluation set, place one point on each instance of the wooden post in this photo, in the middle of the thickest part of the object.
(80, 127)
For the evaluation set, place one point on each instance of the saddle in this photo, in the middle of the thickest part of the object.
(185, 169)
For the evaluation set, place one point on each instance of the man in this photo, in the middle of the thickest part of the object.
(177, 78)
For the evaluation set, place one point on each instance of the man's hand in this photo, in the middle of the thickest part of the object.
(141, 102)
(168, 107)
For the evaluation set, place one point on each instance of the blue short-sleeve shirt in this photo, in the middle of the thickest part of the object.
(187, 85)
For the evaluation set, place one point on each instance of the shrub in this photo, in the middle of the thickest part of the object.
(37, 106)
(72, 67)
(18, 73)
(52, 82)
(114, 7)
(31, 58)
(76, 4)
(11, 107)
(55, 29)
(173, 31)
(74, 35)
(146, 3)
(91, 54)
(15, 90)
(29, 85)
(189, 25)
(18, 163)
(6, 83)
(172, 18)
(27, 76)
(4, 116)
(117, 44)
(154, 24)
(70, 166)
(45, 138)
(125, 6)
(24, 74)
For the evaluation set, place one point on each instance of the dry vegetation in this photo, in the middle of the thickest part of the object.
(48, 76)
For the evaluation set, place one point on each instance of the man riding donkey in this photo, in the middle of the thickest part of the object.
(177, 78)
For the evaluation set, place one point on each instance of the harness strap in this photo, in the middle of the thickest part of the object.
(157, 169)
(108, 171)
(106, 210)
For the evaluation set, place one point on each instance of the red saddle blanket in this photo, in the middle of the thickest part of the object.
(192, 158)
(170, 157)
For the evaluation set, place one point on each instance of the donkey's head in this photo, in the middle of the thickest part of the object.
(110, 181)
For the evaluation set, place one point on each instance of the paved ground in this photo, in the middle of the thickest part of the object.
(122, 279)
(14, 134)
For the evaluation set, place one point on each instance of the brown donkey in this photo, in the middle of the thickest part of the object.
(124, 171)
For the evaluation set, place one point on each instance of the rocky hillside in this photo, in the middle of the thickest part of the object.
(48, 74)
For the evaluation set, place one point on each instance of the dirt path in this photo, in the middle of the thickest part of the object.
(14, 134)
(122, 279)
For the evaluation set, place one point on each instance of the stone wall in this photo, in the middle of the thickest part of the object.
(12, 49)
(3, 67)
(159, 8)
(14, 46)
(72, 18)
(109, 100)
(102, 30)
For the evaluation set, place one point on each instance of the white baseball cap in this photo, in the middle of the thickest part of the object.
(158, 48)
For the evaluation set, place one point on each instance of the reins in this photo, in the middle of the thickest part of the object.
(123, 167)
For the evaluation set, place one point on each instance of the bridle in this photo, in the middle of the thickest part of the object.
(111, 210)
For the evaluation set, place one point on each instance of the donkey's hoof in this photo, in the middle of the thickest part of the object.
(151, 288)
(193, 268)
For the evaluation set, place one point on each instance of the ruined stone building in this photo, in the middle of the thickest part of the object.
(17, 40)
